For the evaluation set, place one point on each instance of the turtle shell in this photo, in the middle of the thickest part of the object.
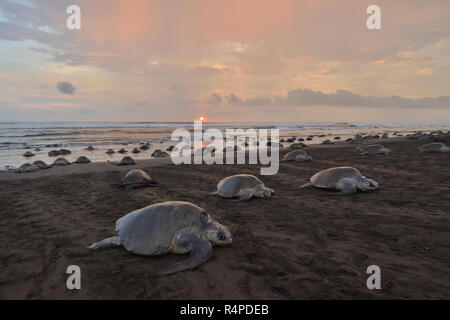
(329, 178)
(27, 167)
(229, 187)
(432, 147)
(292, 156)
(61, 162)
(41, 164)
(83, 160)
(372, 149)
(151, 230)
(126, 161)
(136, 178)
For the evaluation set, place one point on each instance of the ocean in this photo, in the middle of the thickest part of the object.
(18, 137)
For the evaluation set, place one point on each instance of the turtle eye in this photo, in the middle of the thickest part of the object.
(221, 236)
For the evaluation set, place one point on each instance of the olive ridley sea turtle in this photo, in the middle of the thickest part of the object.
(242, 187)
(297, 155)
(434, 147)
(373, 149)
(136, 179)
(347, 180)
(173, 226)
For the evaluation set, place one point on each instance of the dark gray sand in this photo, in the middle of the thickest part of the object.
(299, 244)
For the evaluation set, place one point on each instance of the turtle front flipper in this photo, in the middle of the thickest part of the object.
(346, 186)
(200, 252)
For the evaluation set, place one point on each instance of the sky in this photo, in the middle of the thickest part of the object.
(266, 61)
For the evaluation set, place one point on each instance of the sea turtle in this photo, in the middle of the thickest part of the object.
(61, 162)
(110, 151)
(65, 152)
(296, 146)
(122, 151)
(159, 154)
(135, 151)
(242, 187)
(126, 161)
(297, 155)
(41, 164)
(90, 148)
(145, 146)
(26, 167)
(28, 154)
(136, 179)
(327, 142)
(174, 226)
(373, 149)
(83, 160)
(434, 147)
(347, 180)
(54, 153)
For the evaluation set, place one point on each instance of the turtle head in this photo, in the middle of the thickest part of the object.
(369, 185)
(218, 233)
(262, 191)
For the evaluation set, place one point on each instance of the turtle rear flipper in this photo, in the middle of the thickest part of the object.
(200, 252)
(308, 185)
(108, 242)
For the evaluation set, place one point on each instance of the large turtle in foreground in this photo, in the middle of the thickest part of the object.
(297, 155)
(242, 187)
(347, 180)
(373, 149)
(137, 179)
(173, 226)
(434, 147)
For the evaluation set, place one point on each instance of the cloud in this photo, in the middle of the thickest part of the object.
(214, 99)
(66, 87)
(340, 98)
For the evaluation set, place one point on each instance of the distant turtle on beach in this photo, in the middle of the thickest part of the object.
(159, 154)
(90, 148)
(61, 162)
(28, 154)
(126, 161)
(174, 226)
(347, 180)
(41, 164)
(110, 151)
(135, 151)
(65, 152)
(26, 167)
(297, 155)
(242, 187)
(296, 146)
(122, 151)
(82, 160)
(137, 179)
(145, 146)
(434, 147)
(373, 149)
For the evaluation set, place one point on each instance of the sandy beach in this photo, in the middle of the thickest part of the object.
(299, 244)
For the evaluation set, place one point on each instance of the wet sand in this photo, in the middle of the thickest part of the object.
(299, 244)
